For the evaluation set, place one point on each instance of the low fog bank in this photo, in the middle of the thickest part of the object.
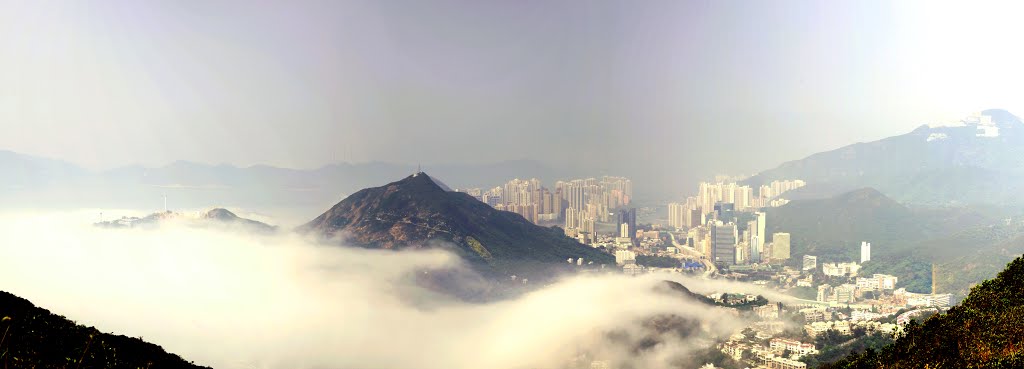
(235, 300)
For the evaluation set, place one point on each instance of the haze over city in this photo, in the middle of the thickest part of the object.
(511, 184)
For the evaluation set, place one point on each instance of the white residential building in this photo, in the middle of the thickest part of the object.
(623, 257)
(865, 251)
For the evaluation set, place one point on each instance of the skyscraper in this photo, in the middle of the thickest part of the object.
(678, 214)
(755, 252)
(575, 194)
(865, 251)
(627, 223)
(723, 243)
(761, 218)
(756, 228)
(780, 246)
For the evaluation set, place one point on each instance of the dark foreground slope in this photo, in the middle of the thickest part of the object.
(33, 337)
(416, 212)
(985, 331)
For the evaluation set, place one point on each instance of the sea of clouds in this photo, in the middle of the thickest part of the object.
(230, 299)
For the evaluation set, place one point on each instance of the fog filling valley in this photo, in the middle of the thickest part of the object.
(229, 299)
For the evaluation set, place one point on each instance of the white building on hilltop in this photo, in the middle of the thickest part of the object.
(865, 251)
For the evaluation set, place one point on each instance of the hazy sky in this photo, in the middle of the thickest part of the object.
(739, 86)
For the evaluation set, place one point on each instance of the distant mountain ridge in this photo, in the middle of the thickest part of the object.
(19, 171)
(216, 216)
(415, 213)
(978, 160)
(29, 181)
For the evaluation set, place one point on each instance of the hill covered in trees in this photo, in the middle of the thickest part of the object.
(967, 244)
(985, 331)
(33, 337)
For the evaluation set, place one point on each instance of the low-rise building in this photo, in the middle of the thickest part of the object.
(877, 282)
(778, 345)
(816, 328)
(734, 350)
(816, 315)
(824, 293)
(936, 300)
(778, 362)
(632, 269)
(845, 294)
(840, 269)
(767, 312)
(858, 315)
(806, 281)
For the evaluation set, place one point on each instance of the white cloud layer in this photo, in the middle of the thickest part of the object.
(232, 300)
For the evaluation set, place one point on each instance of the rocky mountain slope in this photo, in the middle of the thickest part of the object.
(415, 212)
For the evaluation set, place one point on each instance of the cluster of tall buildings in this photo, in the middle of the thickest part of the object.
(527, 198)
(580, 203)
(727, 196)
(592, 200)
(723, 221)
(729, 244)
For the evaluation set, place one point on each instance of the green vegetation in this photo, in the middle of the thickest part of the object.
(744, 304)
(833, 228)
(985, 331)
(967, 244)
(658, 261)
(914, 275)
(833, 347)
(479, 248)
(32, 337)
(714, 356)
(806, 293)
